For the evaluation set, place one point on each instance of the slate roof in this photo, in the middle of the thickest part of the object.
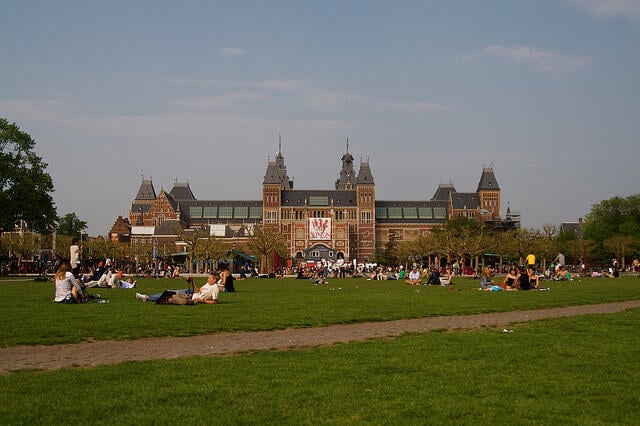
(146, 192)
(443, 192)
(140, 207)
(462, 200)
(277, 172)
(168, 227)
(488, 180)
(364, 175)
(316, 198)
(181, 191)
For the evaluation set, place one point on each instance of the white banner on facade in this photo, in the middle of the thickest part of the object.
(319, 228)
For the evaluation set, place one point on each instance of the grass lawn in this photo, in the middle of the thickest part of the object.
(266, 304)
(578, 370)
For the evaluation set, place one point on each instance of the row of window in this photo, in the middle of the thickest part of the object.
(244, 212)
(225, 212)
(411, 212)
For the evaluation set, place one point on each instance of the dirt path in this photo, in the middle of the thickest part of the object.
(111, 352)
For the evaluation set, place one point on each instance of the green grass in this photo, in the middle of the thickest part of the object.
(578, 370)
(267, 304)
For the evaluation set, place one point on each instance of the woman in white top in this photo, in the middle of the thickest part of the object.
(68, 289)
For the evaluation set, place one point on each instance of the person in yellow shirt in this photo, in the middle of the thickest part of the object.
(531, 260)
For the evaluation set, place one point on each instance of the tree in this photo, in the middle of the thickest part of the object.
(210, 248)
(25, 186)
(71, 225)
(264, 241)
(620, 246)
(616, 216)
(192, 237)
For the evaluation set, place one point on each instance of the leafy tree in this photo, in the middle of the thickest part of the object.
(192, 237)
(210, 248)
(616, 216)
(71, 225)
(547, 245)
(621, 246)
(264, 241)
(27, 245)
(25, 186)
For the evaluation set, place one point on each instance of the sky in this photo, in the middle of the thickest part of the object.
(546, 92)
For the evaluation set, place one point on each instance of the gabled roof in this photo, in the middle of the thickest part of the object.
(488, 180)
(146, 192)
(465, 200)
(182, 191)
(443, 192)
(169, 198)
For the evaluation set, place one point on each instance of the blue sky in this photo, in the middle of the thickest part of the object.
(429, 91)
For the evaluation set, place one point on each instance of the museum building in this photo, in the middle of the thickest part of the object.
(345, 222)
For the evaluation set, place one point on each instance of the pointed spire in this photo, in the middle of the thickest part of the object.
(277, 170)
(346, 180)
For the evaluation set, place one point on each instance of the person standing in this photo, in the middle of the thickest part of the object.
(531, 261)
(75, 250)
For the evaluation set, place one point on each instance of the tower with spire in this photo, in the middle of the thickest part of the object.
(275, 181)
(347, 178)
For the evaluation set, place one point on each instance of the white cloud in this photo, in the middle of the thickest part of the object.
(624, 9)
(232, 51)
(543, 60)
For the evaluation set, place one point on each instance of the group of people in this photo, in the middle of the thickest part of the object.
(70, 287)
(434, 277)
(523, 278)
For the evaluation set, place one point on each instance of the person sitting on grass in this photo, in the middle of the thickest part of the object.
(68, 289)
(226, 278)
(446, 279)
(414, 276)
(485, 279)
(564, 274)
(511, 279)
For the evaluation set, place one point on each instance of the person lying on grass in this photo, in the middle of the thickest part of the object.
(208, 293)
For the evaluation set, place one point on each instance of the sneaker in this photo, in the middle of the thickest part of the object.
(142, 297)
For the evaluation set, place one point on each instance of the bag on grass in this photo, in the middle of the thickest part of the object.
(180, 299)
